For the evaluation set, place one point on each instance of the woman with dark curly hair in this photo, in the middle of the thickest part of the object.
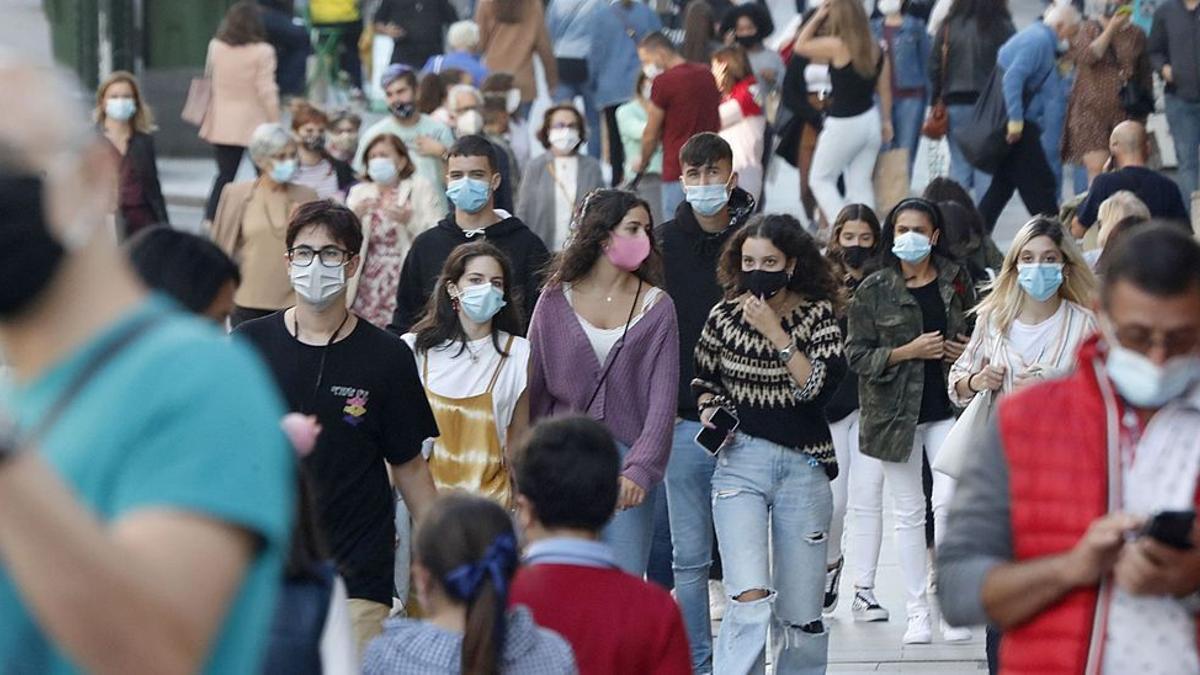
(606, 343)
(770, 355)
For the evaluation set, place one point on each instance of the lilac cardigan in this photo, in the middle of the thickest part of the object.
(638, 401)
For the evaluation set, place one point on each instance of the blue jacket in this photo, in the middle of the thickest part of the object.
(910, 54)
(464, 61)
(567, 22)
(613, 63)
(1029, 59)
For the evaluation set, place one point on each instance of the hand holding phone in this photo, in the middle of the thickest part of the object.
(712, 438)
(1173, 528)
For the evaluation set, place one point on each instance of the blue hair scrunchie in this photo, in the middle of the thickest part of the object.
(464, 581)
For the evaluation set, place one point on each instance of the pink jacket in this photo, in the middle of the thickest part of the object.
(244, 93)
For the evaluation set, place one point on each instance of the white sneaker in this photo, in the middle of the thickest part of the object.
(866, 608)
(952, 634)
(920, 629)
(716, 600)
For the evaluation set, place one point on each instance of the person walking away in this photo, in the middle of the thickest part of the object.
(713, 211)
(770, 354)
(362, 386)
(569, 24)
(616, 31)
(189, 268)
(127, 122)
(428, 138)
(1171, 46)
(511, 33)
(343, 17)
(567, 486)
(1129, 148)
(700, 38)
(251, 224)
(556, 181)
(606, 343)
(858, 488)
(473, 176)
(462, 53)
(971, 36)
(330, 178)
(1109, 53)
(1134, 395)
(241, 66)
(394, 205)
(1028, 60)
(145, 503)
(907, 324)
(416, 26)
(908, 50)
(291, 42)
(631, 120)
(743, 124)
(805, 93)
(684, 101)
(475, 368)
(855, 127)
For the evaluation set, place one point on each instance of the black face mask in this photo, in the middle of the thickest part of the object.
(315, 143)
(747, 41)
(855, 256)
(403, 110)
(764, 284)
(29, 255)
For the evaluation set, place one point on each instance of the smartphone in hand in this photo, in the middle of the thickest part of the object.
(713, 440)
(1173, 528)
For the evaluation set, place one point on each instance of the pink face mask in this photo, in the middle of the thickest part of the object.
(628, 253)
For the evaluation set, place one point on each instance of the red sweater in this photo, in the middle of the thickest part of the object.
(615, 622)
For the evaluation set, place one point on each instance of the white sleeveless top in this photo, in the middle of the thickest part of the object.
(604, 339)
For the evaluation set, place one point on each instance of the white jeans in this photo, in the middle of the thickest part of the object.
(858, 491)
(848, 146)
(908, 496)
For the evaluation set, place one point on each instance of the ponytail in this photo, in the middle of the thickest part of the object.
(483, 586)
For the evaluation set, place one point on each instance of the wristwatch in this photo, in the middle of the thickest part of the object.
(787, 353)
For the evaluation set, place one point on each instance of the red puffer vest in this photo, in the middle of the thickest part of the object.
(1056, 446)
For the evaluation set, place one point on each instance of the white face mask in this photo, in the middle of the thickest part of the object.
(468, 123)
(563, 139)
(317, 284)
(889, 6)
(1145, 384)
(652, 70)
(512, 100)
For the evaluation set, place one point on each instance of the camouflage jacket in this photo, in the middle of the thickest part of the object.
(884, 315)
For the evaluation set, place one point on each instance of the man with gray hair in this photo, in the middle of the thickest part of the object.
(146, 489)
(1028, 60)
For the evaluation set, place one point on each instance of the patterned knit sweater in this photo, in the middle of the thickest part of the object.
(735, 361)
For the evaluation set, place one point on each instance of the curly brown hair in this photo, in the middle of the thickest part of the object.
(595, 219)
(812, 278)
(543, 134)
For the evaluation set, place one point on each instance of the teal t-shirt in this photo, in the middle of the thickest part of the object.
(181, 419)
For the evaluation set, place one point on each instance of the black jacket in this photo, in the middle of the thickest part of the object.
(690, 257)
(970, 61)
(1175, 41)
(143, 165)
(525, 250)
(423, 22)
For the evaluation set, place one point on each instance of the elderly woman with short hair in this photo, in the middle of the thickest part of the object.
(251, 223)
(462, 53)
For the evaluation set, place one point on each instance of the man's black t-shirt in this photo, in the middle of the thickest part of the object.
(372, 409)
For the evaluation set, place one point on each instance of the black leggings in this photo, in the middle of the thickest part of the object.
(228, 159)
(616, 151)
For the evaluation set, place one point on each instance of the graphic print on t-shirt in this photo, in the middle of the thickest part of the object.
(356, 403)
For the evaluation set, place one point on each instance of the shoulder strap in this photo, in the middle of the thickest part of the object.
(945, 53)
(500, 365)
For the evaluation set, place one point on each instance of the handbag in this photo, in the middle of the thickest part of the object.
(891, 179)
(199, 96)
(1136, 101)
(966, 432)
(984, 138)
(938, 122)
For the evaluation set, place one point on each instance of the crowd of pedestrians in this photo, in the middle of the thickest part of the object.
(483, 386)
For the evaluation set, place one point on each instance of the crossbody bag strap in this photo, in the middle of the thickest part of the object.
(945, 58)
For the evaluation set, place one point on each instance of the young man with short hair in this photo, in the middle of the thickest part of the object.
(472, 175)
(714, 208)
(361, 383)
(683, 102)
(566, 475)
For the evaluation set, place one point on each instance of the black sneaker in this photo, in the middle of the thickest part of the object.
(866, 607)
(833, 577)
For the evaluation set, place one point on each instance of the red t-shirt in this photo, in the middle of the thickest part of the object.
(688, 97)
(615, 623)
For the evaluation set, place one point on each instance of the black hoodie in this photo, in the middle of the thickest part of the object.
(525, 250)
(690, 257)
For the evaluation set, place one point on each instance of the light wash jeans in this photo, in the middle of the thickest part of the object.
(847, 146)
(908, 115)
(689, 503)
(975, 182)
(672, 197)
(630, 532)
(1184, 119)
(771, 504)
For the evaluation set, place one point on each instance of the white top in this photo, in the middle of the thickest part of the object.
(604, 339)
(339, 651)
(320, 177)
(1031, 341)
(816, 75)
(456, 375)
(566, 183)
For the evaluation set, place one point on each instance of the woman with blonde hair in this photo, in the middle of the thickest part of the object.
(855, 127)
(127, 123)
(1120, 205)
(1034, 318)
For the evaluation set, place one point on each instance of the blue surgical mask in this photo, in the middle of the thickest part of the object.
(469, 194)
(707, 200)
(482, 302)
(1040, 280)
(284, 170)
(1145, 384)
(912, 247)
(120, 109)
(382, 170)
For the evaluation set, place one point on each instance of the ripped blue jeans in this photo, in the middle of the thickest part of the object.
(766, 495)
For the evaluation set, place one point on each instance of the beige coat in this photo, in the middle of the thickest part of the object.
(244, 93)
(509, 47)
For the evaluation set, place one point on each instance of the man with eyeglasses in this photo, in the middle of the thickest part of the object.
(361, 384)
(1057, 532)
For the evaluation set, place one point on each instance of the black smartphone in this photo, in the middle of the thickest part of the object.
(1173, 528)
(712, 439)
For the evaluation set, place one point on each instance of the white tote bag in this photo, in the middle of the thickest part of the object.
(967, 431)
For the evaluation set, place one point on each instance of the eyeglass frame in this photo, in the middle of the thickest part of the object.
(317, 254)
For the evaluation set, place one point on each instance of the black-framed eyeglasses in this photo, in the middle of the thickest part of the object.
(331, 256)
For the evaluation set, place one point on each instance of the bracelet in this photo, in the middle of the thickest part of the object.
(970, 387)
